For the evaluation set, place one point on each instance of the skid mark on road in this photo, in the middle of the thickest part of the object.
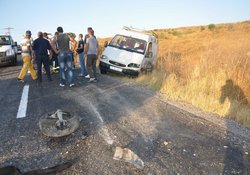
(103, 129)
(86, 102)
(23, 103)
(2, 74)
(109, 89)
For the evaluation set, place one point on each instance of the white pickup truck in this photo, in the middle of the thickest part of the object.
(130, 52)
(8, 50)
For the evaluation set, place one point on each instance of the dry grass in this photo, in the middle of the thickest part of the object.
(207, 68)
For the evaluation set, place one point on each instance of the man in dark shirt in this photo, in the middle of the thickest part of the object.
(41, 48)
(80, 51)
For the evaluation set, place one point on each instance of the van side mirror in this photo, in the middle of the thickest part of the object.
(105, 43)
(15, 44)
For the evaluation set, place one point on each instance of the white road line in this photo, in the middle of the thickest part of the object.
(23, 103)
(103, 130)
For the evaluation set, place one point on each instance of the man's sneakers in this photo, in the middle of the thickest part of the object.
(72, 85)
(92, 80)
(20, 80)
(87, 76)
(80, 75)
(61, 85)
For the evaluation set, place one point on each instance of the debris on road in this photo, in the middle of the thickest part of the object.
(166, 143)
(58, 124)
(83, 137)
(128, 156)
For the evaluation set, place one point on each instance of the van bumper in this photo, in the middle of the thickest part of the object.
(105, 66)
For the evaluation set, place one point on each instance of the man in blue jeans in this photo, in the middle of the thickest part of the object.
(80, 51)
(64, 57)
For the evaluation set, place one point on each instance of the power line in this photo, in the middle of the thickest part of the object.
(8, 29)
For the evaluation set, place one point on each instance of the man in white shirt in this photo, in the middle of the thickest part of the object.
(26, 48)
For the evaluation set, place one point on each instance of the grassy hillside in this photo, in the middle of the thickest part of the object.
(207, 66)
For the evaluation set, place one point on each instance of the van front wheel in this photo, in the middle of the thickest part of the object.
(14, 61)
(103, 71)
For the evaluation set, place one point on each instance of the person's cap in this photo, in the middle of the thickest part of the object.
(28, 33)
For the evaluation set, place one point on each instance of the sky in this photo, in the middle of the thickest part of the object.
(107, 17)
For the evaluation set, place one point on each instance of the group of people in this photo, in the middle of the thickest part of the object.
(61, 50)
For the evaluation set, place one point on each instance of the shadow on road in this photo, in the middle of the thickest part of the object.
(236, 160)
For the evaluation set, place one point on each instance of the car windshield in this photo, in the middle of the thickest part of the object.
(129, 44)
(5, 40)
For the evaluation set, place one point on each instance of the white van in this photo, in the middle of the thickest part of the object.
(8, 50)
(130, 52)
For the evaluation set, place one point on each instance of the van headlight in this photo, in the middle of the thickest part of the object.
(104, 57)
(9, 52)
(134, 65)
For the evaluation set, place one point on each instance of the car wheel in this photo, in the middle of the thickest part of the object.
(14, 62)
(103, 71)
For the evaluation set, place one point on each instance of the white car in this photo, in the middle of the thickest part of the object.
(130, 52)
(8, 50)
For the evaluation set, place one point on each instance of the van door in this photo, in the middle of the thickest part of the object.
(155, 52)
(149, 57)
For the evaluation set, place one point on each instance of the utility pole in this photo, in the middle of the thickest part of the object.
(8, 29)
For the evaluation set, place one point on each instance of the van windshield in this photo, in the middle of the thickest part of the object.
(5, 40)
(129, 44)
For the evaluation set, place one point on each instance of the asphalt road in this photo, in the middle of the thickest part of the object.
(115, 112)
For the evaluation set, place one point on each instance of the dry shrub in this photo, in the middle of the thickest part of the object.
(207, 69)
(154, 80)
